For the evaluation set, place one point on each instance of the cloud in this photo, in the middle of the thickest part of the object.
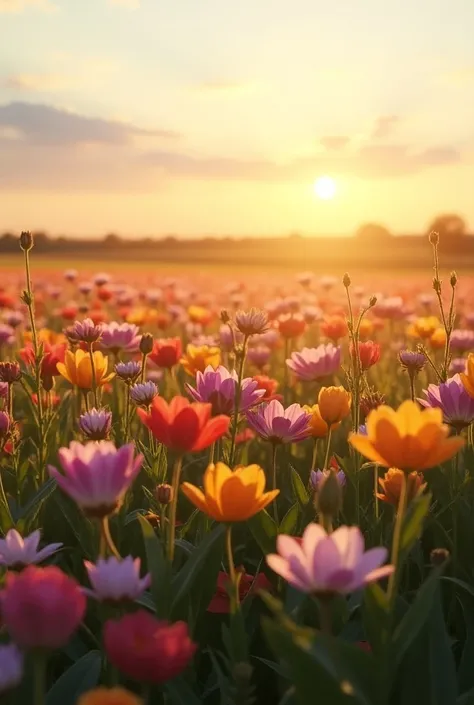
(43, 124)
(227, 88)
(129, 4)
(82, 73)
(384, 126)
(21, 5)
(41, 82)
(335, 142)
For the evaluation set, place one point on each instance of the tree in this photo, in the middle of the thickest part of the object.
(373, 231)
(448, 225)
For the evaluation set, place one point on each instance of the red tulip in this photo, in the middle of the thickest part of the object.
(291, 326)
(220, 603)
(147, 649)
(166, 352)
(52, 354)
(369, 354)
(183, 426)
(269, 385)
(334, 328)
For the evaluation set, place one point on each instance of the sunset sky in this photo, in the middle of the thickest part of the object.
(208, 116)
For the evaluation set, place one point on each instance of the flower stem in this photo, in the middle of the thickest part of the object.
(325, 615)
(285, 372)
(238, 394)
(93, 377)
(376, 487)
(315, 455)
(143, 371)
(412, 385)
(127, 414)
(106, 538)
(173, 507)
(234, 595)
(274, 481)
(328, 448)
(212, 452)
(39, 665)
(397, 533)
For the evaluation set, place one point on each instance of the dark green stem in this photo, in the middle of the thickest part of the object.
(173, 508)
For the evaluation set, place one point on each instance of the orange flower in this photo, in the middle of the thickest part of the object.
(199, 314)
(334, 328)
(319, 427)
(391, 485)
(334, 404)
(408, 438)
(467, 378)
(77, 369)
(109, 696)
(291, 326)
(198, 357)
(231, 495)
(438, 339)
(366, 328)
(423, 327)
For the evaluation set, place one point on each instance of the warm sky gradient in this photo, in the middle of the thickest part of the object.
(212, 116)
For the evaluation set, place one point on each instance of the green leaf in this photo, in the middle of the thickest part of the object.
(179, 692)
(299, 489)
(413, 521)
(78, 679)
(466, 698)
(29, 512)
(264, 530)
(196, 567)
(375, 611)
(415, 618)
(158, 567)
(289, 521)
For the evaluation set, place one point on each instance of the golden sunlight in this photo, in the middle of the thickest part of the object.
(325, 188)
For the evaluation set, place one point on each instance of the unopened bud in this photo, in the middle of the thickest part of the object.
(329, 496)
(163, 494)
(454, 279)
(434, 238)
(437, 285)
(26, 240)
(439, 556)
(346, 280)
(225, 318)
(372, 301)
(146, 344)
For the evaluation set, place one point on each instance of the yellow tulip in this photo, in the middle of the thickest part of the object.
(408, 438)
(231, 495)
(467, 378)
(77, 369)
(319, 427)
(423, 327)
(198, 357)
(334, 404)
(366, 328)
(438, 338)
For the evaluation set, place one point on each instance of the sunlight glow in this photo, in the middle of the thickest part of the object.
(325, 188)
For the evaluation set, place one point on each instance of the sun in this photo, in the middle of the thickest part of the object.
(325, 188)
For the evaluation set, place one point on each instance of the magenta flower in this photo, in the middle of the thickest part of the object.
(218, 387)
(328, 563)
(5, 424)
(96, 424)
(392, 308)
(11, 667)
(272, 422)
(7, 334)
(227, 338)
(41, 607)
(120, 337)
(453, 400)
(462, 340)
(457, 365)
(85, 288)
(97, 475)
(85, 331)
(14, 318)
(114, 580)
(315, 363)
(16, 551)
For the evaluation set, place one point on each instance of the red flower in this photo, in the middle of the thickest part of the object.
(98, 315)
(246, 435)
(69, 313)
(52, 354)
(334, 328)
(166, 352)
(148, 649)
(183, 426)
(291, 326)
(54, 399)
(104, 294)
(269, 385)
(364, 645)
(369, 354)
(220, 603)
(162, 320)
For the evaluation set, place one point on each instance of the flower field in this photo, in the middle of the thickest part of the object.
(233, 490)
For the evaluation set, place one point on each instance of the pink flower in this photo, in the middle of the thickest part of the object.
(116, 580)
(11, 667)
(276, 424)
(328, 563)
(97, 475)
(120, 337)
(41, 607)
(16, 551)
(315, 363)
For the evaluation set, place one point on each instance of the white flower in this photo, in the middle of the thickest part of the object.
(16, 550)
(116, 580)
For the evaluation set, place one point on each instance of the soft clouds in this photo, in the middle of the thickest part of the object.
(20, 5)
(335, 142)
(384, 127)
(46, 125)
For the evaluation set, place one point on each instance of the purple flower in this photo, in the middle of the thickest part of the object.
(116, 580)
(3, 390)
(85, 288)
(16, 551)
(218, 387)
(318, 476)
(227, 338)
(462, 340)
(85, 331)
(143, 393)
(120, 337)
(276, 424)
(270, 338)
(328, 563)
(101, 278)
(458, 365)
(96, 424)
(259, 356)
(4, 424)
(7, 334)
(315, 363)
(128, 371)
(454, 401)
(252, 322)
(413, 362)
(11, 667)
(363, 430)
(14, 318)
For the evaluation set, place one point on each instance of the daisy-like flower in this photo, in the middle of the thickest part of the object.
(219, 387)
(96, 424)
(17, 552)
(120, 337)
(272, 422)
(252, 322)
(143, 393)
(115, 580)
(128, 371)
(453, 400)
(315, 363)
(85, 331)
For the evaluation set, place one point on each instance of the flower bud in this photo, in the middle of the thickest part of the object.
(453, 279)
(346, 280)
(329, 496)
(372, 301)
(439, 556)
(10, 372)
(26, 241)
(225, 318)
(437, 285)
(4, 425)
(163, 494)
(434, 238)
(146, 344)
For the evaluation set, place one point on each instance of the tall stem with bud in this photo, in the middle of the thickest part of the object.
(448, 318)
